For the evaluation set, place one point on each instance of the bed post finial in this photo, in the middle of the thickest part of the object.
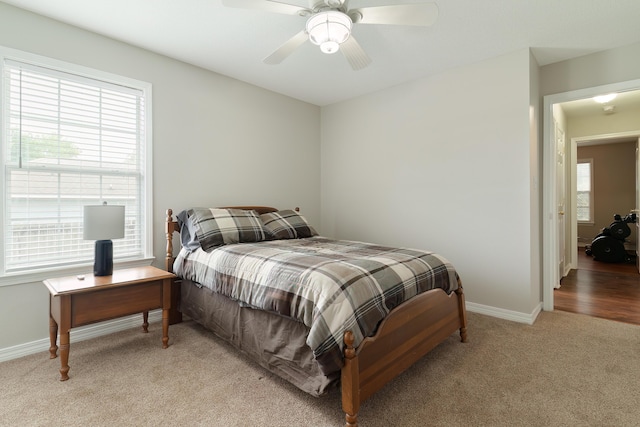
(350, 379)
(170, 226)
(463, 312)
(169, 233)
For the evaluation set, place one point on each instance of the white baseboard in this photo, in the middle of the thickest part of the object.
(80, 334)
(567, 269)
(501, 313)
(135, 321)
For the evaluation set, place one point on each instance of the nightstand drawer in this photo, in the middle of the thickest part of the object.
(115, 302)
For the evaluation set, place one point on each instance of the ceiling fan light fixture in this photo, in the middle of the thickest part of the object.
(329, 47)
(329, 29)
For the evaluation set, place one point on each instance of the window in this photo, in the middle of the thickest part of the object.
(584, 180)
(71, 136)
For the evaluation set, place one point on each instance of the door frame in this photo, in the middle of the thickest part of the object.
(550, 257)
(600, 139)
(561, 218)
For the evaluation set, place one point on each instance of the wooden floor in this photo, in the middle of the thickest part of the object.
(610, 291)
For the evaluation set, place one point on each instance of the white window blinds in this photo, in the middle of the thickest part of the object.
(68, 141)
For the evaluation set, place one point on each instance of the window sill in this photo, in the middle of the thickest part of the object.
(34, 277)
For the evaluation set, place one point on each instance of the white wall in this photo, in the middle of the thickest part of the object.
(535, 186)
(241, 141)
(610, 66)
(447, 163)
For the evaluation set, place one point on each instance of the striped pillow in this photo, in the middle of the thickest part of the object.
(217, 227)
(287, 224)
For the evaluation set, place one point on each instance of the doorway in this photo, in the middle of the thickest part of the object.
(551, 209)
(609, 187)
(596, 288)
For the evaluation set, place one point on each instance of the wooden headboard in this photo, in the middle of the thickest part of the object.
(171, 226)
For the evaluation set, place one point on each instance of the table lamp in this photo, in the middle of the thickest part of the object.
(103, 223)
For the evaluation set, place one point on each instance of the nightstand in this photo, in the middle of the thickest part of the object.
(76, 301)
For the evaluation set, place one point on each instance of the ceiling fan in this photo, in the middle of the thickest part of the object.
(329, 24)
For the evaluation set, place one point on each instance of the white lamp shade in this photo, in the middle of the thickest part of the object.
(103, 222)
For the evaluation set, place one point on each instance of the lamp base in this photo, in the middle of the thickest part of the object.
(103, 264)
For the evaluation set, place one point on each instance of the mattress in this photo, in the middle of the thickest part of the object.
(329, 286)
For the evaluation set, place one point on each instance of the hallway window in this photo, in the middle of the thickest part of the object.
(585, 190)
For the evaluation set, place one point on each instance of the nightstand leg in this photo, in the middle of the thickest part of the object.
(166, 309)
(165, 328)
(64, 355)
(145, 322)
(64, 325)
(53, 338)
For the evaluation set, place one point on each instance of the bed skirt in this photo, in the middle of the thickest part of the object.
(276, 343)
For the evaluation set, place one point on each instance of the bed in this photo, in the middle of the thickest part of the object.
(330, 313)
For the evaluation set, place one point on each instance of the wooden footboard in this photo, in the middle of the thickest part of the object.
(407, 334)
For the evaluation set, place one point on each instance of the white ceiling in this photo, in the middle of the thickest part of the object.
(234, 41)
(624, 101)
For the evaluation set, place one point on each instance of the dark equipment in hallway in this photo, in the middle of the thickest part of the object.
(608, 246)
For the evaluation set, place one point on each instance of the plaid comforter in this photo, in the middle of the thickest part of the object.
(330, 285)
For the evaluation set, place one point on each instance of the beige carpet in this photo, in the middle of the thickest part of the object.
(566, 370)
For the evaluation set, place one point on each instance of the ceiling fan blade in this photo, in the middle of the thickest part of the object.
(420, 14)
(281, 53)
(267, 6)
(357, 57)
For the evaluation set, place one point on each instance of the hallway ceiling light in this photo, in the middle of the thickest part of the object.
(603, 99)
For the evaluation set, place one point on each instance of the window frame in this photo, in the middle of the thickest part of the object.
(35, 275)
(591, 219)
